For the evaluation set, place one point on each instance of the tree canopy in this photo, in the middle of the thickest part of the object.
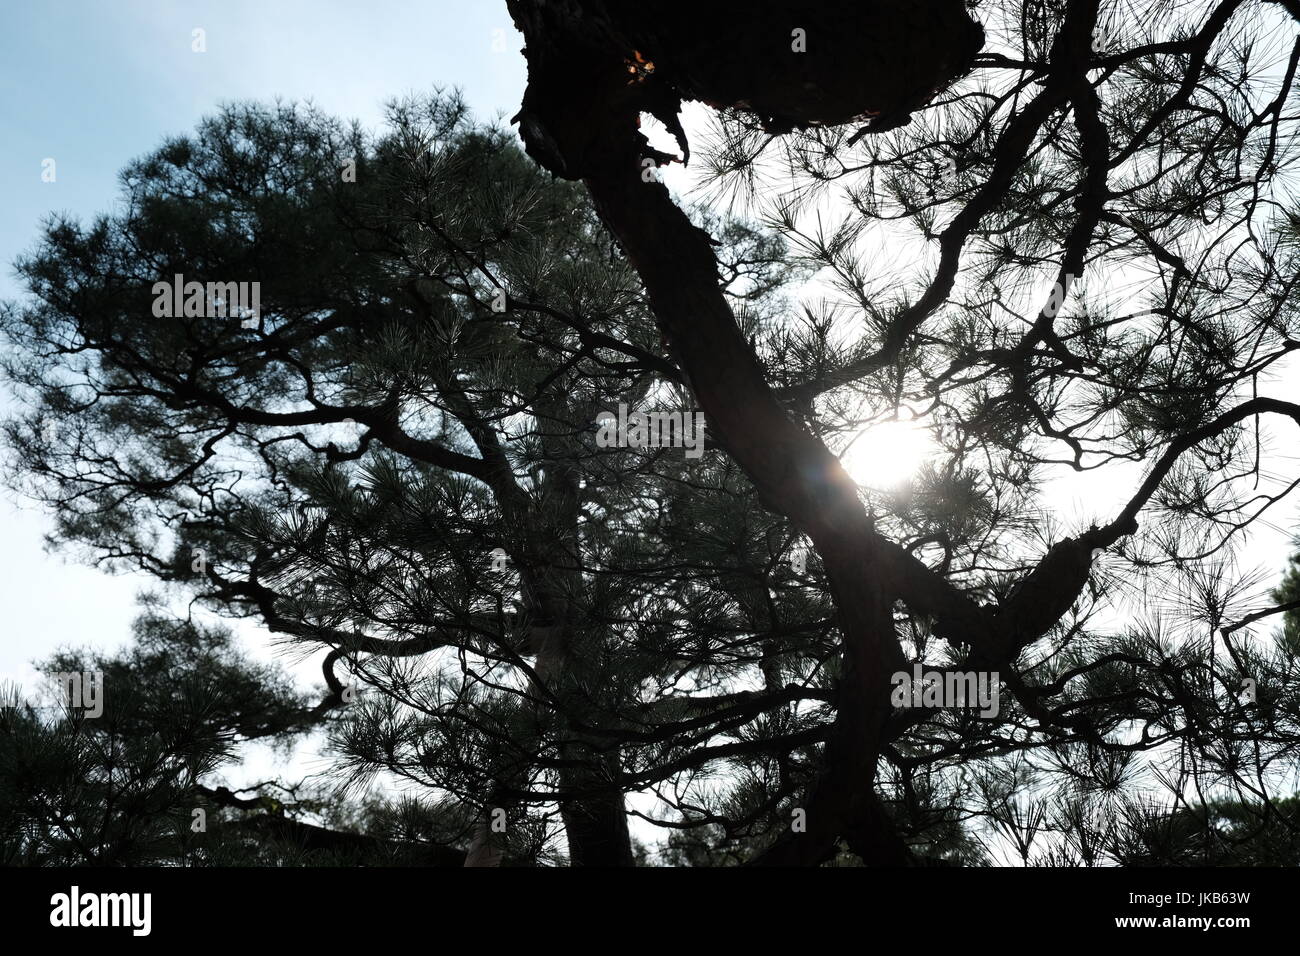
(1079, 257)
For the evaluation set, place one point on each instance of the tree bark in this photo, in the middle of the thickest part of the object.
(579, 119)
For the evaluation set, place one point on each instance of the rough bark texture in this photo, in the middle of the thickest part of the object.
(798, 63)
(791, 63)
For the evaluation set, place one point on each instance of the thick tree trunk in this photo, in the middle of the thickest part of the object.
(788, 63)
(596, 826)
(795, 474)
(547, 551)
(595, 823)
(588, 81)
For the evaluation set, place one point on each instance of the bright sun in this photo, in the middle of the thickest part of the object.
(886, 455)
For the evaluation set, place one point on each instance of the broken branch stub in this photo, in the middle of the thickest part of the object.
(790, 63)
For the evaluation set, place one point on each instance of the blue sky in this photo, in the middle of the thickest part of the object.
(93, 84)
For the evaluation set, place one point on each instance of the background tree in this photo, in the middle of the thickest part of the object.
(1223, 833)
(1287, 603)
(121, 785)
(396, 462)
(1090, 140)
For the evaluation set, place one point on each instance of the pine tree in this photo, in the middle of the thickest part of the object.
(1087, 146)
(399, 461)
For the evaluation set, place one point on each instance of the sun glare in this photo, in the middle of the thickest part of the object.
(888, 454)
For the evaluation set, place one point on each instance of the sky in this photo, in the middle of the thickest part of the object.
(93, 84)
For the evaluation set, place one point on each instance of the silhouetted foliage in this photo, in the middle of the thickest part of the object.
(1078, 259)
